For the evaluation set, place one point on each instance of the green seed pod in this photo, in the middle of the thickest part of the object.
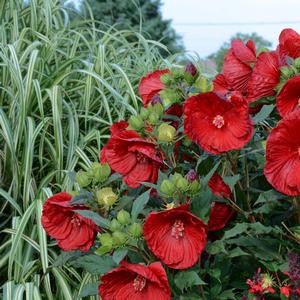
(123, 217)
(153, 118)
(106, 197)
(167, 187)
(119, 238)
(166, 79)
(136, 230)
(114, 225)
(144, 113)
(194, 187)
(136, 122)
(83, 179)
(182, 184)
(166, 133)
(106, 239)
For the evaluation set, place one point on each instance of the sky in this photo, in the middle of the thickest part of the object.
(206, 24)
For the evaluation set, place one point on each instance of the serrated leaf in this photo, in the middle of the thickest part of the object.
(236, 230)
(139, 204)
(95, 264)
(100, 221)
(216, 247)
(237, 252)
(187, 279)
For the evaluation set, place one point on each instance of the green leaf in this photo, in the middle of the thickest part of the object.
(100, 221)
(187, 279)
(232, 180)
(89, 289)
(227, 295)
(64, 257)
(82, 198)
(236, 230)
(139, 204)
(206, 179)
(119, 254)
(216, 247)
(237, 252)
(95, 264)
(263, 114)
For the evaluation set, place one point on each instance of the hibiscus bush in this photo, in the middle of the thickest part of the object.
(196, 195)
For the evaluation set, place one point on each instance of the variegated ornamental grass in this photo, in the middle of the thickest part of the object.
(62, 84)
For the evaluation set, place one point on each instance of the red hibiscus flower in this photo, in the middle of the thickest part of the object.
(288, 99)
(286, 290)
(220, 213)
(289, 43)
(238, 65)
(219, 187)
(175, 236)
(221, 86)
(150, 85)
(282, 167)
(265, 76)
(135, 282)
(69, 229)
(218, 125)
(135, 158)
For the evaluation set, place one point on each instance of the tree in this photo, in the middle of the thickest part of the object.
(218, 57)
(136, 14)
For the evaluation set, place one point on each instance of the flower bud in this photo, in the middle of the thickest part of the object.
(167, 187)
(191, 69)
(166, 79)
(119, 238)
(176, 177)
(177, 74)
(182, 184)
(203, 84)
(156, 99)
(297, 63)
(194, 187)
(106, 239)
(286, 72)
(114, 225)
(101, 172)
(106, 196)
(191, 175)
(83, 179)
(153, 118)
(123, 217)
(136, 122)
(104, 249)
(166, 133)
(267, 281)
(169, 96)
(136, 230)
(158, 108)
(187, 141)
(144, 113)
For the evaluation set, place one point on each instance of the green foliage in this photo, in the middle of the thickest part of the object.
(61, 87)
(218, 57)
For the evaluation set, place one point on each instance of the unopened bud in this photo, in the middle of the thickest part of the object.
(114, 225)
(167, 187)
(166, 79)
(182, 184)
(119, 238)
(136, 122)
(101, 171)
(106, 239)
(191, 69)
(191, 175)
(123, 217)
(194, 187)
(144, 113)
(136, 230)
(83, 179)
(153, 118)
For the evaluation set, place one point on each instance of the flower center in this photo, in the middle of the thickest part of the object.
(75, 221)
(218, 121)
(141, 157)
(177, 229)
(139, 283)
